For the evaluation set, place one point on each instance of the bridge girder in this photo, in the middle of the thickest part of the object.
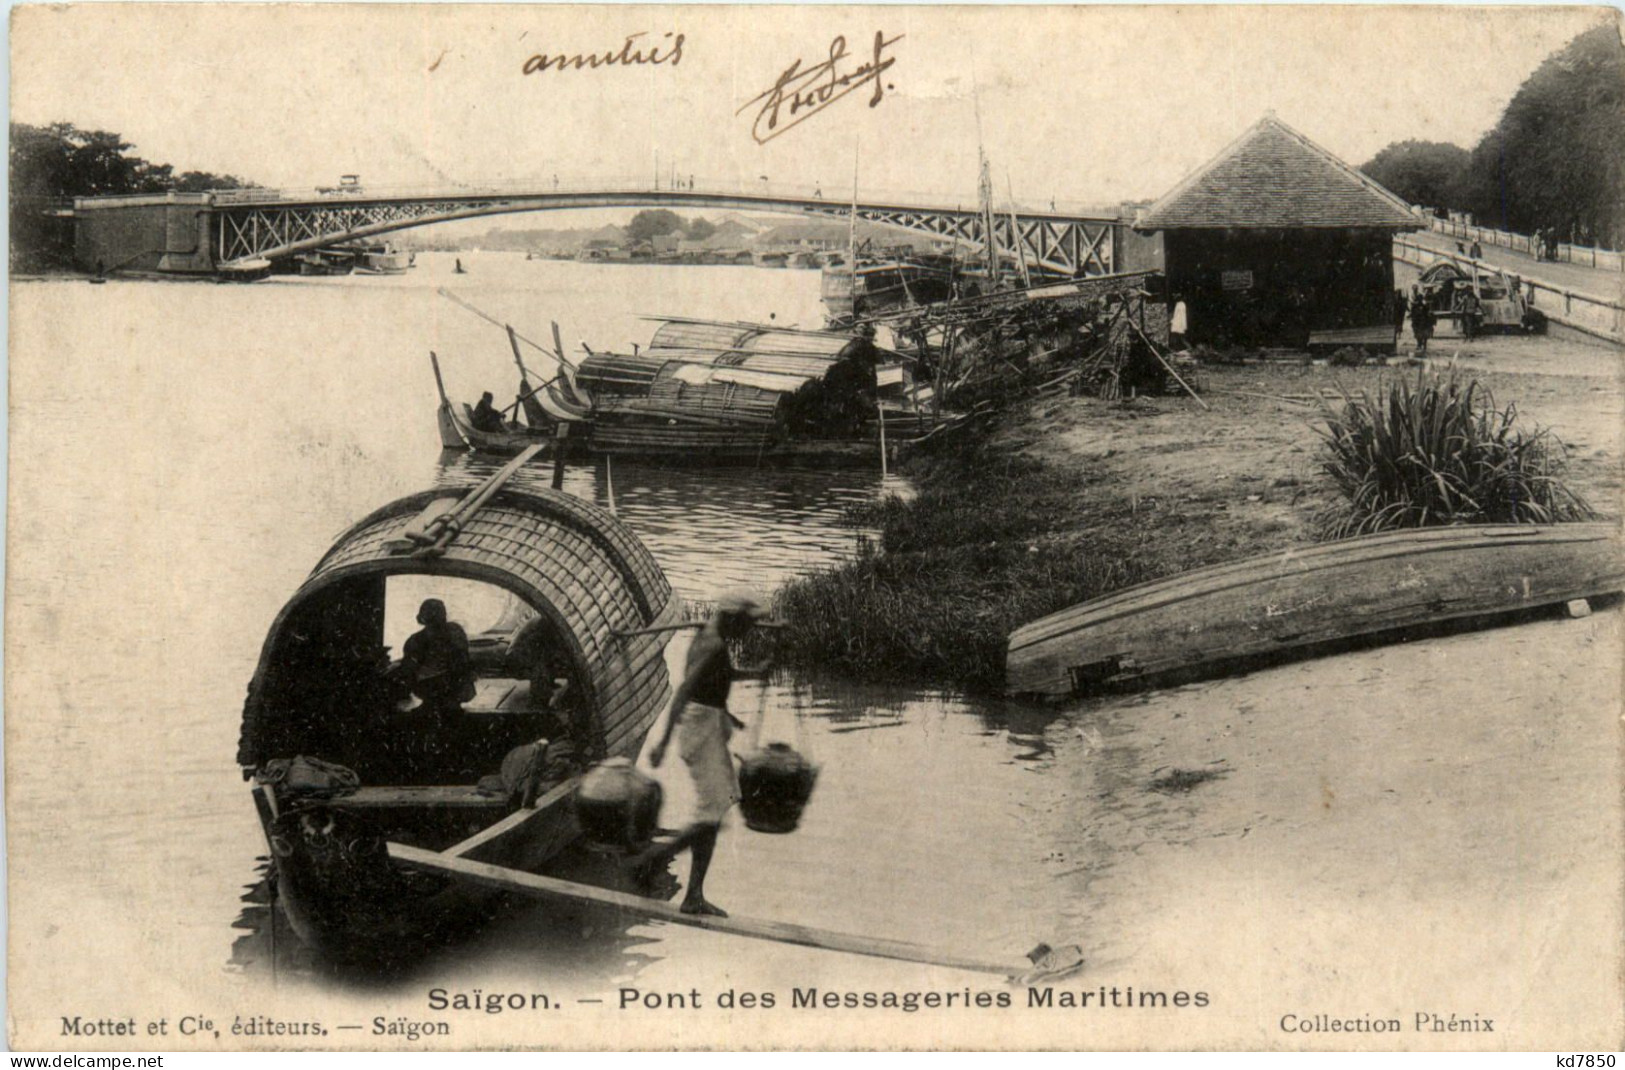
(1054, 243)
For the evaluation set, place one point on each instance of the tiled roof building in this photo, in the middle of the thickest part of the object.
(1276, 242)
(1273, 176)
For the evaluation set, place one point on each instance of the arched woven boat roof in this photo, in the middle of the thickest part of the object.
(572, 562)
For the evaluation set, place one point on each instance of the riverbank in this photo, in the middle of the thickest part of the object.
(1065, 499)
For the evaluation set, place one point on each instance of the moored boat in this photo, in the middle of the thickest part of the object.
(704, 391)
(343, 766)
(384, 260)
(1303, 601)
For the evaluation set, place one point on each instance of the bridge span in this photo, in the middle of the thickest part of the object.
(206, 233)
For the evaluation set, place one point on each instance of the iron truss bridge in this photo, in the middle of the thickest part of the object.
(264, 224)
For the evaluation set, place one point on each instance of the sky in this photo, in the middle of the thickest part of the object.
(1081, 105)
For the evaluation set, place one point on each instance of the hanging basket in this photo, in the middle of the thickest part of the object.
(617, 806)
(775, 783)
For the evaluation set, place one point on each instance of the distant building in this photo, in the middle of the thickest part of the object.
(1276, 242)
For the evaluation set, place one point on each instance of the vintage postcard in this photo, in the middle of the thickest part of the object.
(800, 527)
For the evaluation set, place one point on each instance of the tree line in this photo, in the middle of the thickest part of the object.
(57, 161)
(1554, 161)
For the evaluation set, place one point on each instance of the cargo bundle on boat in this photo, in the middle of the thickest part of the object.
(710, 386)
(350, 750)
(701, 390)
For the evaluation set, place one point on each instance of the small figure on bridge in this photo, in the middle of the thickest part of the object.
(1476, 251)
(486, 416)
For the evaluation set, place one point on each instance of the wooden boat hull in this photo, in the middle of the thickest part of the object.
(1301, 601)
(603, 606)
(677, 440)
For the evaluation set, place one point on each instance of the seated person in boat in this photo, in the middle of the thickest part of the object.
(486, 416)
(435, 662)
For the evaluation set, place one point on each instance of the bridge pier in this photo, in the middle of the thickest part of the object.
(162, 232)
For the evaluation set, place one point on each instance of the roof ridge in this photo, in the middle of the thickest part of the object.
(1353, 172)
(1201, 169)
(1337, 173)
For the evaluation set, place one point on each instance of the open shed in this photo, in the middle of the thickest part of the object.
(1277, 242)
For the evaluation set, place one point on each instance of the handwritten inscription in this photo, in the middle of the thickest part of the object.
(634, 51)
(802, 92)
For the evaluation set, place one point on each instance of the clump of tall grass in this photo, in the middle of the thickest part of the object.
(1439, 453)
(952, 572)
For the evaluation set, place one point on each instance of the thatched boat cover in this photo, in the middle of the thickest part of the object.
(574, 564)
(702, 374)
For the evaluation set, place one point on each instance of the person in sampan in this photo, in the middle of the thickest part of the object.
(486, 416)
(702, 724)
(435, 662)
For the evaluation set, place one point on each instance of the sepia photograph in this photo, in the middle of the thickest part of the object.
(812, 527)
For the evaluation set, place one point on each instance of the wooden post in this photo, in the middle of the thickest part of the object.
(881, 409)
(559, 437)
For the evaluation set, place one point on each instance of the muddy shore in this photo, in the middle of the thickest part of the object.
(1066, 498)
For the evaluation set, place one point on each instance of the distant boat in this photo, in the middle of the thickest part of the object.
(245, 271)
(882, 282)
(384, 260)
(320, 262)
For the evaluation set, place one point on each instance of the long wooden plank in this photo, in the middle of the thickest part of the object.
(531, 884)
(515, 821)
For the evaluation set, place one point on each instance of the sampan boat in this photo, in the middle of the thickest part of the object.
(558, 677)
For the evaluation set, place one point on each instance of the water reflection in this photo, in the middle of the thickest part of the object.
(713, 529)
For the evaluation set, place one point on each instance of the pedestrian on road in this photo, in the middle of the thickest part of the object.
(1421, 321)
(1470, 311)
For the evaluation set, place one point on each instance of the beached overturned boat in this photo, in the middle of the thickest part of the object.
(344, 760)
(1300, 602)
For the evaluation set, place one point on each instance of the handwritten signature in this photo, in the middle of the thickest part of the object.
(631, 54)
(800, 93)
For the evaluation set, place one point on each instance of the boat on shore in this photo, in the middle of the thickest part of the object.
(344, 768)
(1311, 600)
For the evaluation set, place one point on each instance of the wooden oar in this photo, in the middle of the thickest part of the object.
(444, 528)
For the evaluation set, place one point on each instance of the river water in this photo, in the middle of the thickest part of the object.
(1373, 838)
(186, 453)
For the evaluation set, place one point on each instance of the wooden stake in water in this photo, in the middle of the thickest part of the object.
(559, 435)
(882, 410)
